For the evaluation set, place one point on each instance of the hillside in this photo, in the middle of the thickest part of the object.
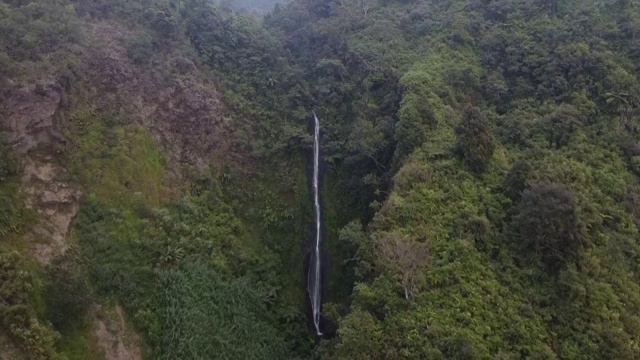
(480, 191)
(128, 161)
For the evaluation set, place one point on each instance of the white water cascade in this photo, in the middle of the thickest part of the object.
(315, 267)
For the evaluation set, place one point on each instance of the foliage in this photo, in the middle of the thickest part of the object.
(31, 29)
(516, 180)
(405, 260)
(146, 259)
(475, 140)
(8, 166)
(549, 223)
(204, 316)
(140, 48)
(67, 289)
(562, 122)
(17, 309)
(121, 163)
(364, 333)
(442, 258)
(410, 130)
(353, 236)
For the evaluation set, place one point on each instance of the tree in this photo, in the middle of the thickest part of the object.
(549, 223)
(550, 6)
(140, 48)
(563, 122)
(367, 139)
(627, 107)
(414, 118)
(475, 139)
(357, 242)
(360, 336)
(162, 21)
(405, 258)
(516, 180)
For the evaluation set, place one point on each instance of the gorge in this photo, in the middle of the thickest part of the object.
(350, 180)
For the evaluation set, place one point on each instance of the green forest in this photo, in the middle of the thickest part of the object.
(480, 190)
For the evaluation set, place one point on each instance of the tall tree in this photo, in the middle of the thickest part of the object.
(405, 258)
(475, 139)
(549, 223)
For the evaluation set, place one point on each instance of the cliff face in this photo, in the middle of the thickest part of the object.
(172, 98)
(32, 118)
(169, 97)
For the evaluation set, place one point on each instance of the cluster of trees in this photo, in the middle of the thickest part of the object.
(510, 147)
(32, 30)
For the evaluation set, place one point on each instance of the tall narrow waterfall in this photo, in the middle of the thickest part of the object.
(315, 267)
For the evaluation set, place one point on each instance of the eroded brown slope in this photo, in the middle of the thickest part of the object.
(170, 96)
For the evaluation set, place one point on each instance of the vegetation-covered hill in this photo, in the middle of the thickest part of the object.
(481, 190)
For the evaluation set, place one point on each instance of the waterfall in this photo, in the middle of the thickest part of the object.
(315, 267)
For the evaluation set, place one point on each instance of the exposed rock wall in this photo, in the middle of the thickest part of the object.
(31, 116)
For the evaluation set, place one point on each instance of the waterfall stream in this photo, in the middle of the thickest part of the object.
(315, 267)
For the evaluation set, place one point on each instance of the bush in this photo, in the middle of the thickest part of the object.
(162, 21)
(30, 29)
(360, 337)
(8, 165)
(67, 289)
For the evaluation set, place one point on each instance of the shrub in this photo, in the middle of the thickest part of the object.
(12, 211)
(360, 334)
(17, 310)
(67, 289)
(8, 165)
